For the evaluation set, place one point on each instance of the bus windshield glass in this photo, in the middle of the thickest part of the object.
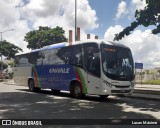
(117, 62)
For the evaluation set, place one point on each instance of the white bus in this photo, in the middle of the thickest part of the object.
(95, 67)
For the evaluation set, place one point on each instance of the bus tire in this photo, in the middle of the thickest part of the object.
(55, 91)
(31, 86)
(76, 90)
(103, 97)
(37, 89)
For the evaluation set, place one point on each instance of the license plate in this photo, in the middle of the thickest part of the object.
(123, 91)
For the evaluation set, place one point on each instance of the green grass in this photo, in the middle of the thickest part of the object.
(155, 82)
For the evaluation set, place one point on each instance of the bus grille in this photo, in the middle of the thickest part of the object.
(120, 91)
(119, 86)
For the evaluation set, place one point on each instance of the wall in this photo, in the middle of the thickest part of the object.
(147, 74)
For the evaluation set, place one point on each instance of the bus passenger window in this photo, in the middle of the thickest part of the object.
(93, 65)
(91, 58)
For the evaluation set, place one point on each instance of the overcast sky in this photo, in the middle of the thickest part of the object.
(97, 17)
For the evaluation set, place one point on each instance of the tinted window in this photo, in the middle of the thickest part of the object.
(35, 58)
(92, 60)
(21, 60)
(71, 55)
(67, 55)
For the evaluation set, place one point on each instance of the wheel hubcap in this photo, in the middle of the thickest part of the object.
(31, 85)
(77, 90)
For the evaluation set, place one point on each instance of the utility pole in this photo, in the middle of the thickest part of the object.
(75, 20)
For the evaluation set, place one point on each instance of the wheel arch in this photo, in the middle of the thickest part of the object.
(35, 89)
(30, 78)
(73, 82)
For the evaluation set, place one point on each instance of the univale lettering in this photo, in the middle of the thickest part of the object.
(59, 70)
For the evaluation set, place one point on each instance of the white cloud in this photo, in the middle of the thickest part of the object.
(10, 19)
(135, 5)
(41, 8)
(124, 10)
(24, 16)
(60, 12)
(121, 10)
(111, 31)
(8, 13)
(144, 45)
(138, 4)
(17, 36)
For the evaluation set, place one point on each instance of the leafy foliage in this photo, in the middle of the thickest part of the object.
(44, 36)
(3, 64)
(149, 16)
(8, 50)
(11, 63)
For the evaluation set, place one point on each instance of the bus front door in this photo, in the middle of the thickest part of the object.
(93, 74)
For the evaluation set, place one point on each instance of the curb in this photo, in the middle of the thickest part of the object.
(144, 96)
(10, 83)
(153, 92)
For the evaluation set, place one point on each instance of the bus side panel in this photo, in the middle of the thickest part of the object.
(53, 76)
(22, 79)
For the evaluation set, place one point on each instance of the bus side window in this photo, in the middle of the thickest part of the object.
(21, 60)
(92, 60)
(93, 65)
(71, 55)
(36, 58)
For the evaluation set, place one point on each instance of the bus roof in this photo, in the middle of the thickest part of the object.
(64, 44)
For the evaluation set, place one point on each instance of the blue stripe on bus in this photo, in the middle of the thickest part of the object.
(55, 76)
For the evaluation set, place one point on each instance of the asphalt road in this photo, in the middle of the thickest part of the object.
(17, 103)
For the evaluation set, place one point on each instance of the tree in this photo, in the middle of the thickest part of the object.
(3, 64)
(149, 16)
(44, 36)
(8, 49)
(11, 63)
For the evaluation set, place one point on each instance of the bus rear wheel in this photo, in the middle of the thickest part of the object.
(31, 87)
(76, 90)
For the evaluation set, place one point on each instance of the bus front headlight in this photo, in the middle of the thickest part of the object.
(132, 84)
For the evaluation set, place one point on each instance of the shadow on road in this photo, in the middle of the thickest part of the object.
(45, 105)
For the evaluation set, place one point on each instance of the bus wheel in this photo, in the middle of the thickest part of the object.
(77, 91)
(103, 97)
(55, 91)
(31, 86)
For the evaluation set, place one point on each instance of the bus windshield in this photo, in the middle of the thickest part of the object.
(117, 62)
